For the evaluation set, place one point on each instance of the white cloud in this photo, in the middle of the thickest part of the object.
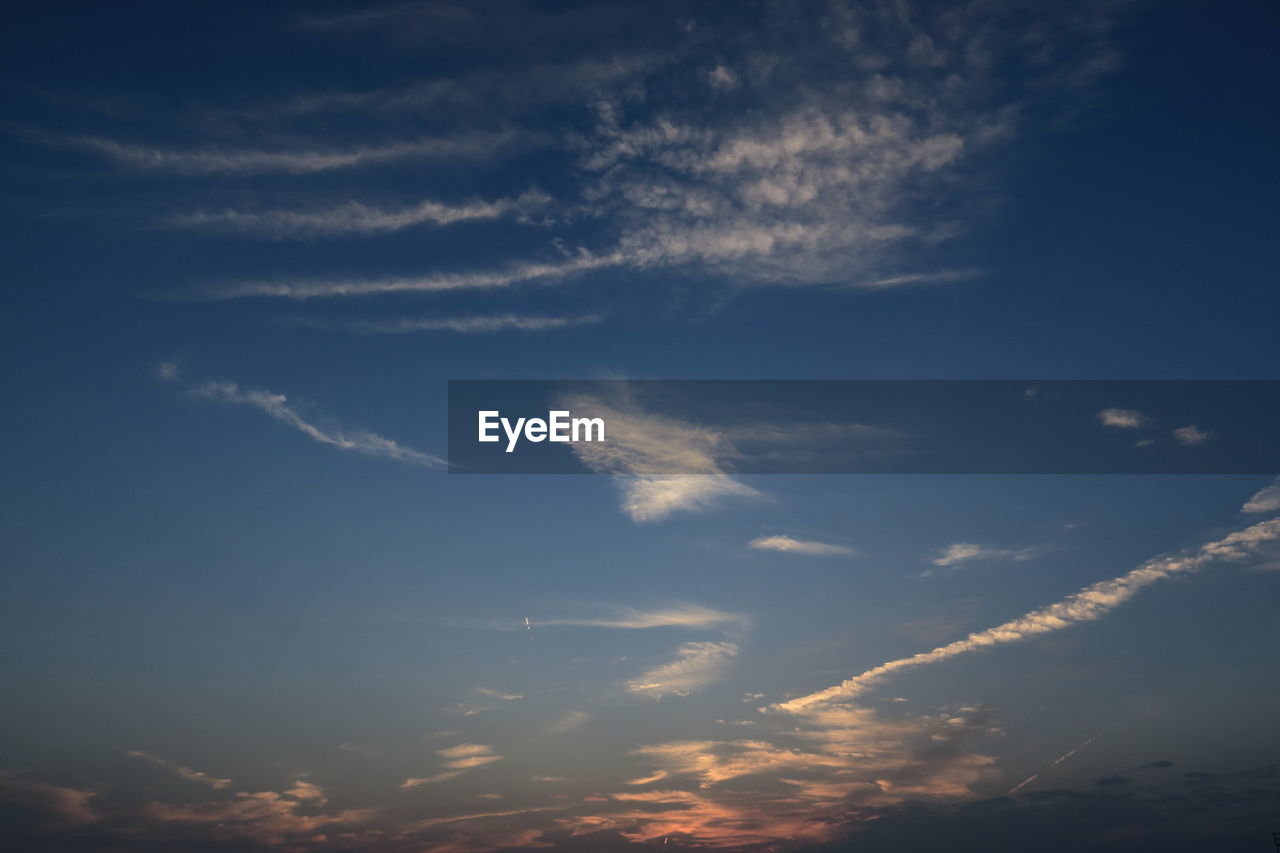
(645, 450)
(277, 406)
(458, 760)
(1266, 500)
(965, 552)
(842, 164)
(298, 161)
(185, 772)
(695, 665)
(1122, 418)
(809, 547)
(1092, 602)
(498, 694)
(676, 616)
(352, 217)
(462, 325)
(488, 279)
(1190, 435)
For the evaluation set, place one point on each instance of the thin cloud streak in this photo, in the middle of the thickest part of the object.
(491, 279)
(278, 408)
(808, 547)
(965, 552)
(352, 218)
(676, 616)
(695, 665)
(185, 772)
(460, 325)
(1092, 602)
(259, 161)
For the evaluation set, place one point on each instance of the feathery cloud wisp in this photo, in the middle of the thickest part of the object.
(809, 547)
(277, 407)
(676, 616)
(1266, 500)
(1092, 602)
(256, 161)
(351, 217)
(324, 288)
(458, 760)
(644, 449)
(964, 552)
(461, 325)
(695, 665)
(185, 772)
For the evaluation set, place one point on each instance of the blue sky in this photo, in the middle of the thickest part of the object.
(246, 609)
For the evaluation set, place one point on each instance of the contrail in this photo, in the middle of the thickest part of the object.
(1092, 602)
(1060, 759)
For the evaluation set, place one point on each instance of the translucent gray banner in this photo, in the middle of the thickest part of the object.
(660, 427)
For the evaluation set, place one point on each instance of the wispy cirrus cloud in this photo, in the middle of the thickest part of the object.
(695, 665)
(457, 760)
(808, 547)
(302, 289)
(676, 616)
(352, 217)
(1092, 602)
(645, 448)
(840, 165)
(185, 772)
(278, 408)
(967, 552)
(460, 325)
(303, 160)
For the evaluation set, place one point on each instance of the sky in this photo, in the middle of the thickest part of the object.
(247, 607)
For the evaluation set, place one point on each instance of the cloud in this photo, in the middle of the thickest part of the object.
(1266, 500)
(489, 279)
(48, 808)
(1092, 602)
(808, 783)
(297, 161)
(842, 164)
(498, 694)
(695, 665)
(352, 218)
(185, 772)
(809, 547)
(462, 325)
(1190, 435)
(271, 818)
(721, 77)
(676, 616)
(934, 277)
(277, 407)
(569, 721)
(642, 451)
(1122, 418)
(966, 552)
(458, 760)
